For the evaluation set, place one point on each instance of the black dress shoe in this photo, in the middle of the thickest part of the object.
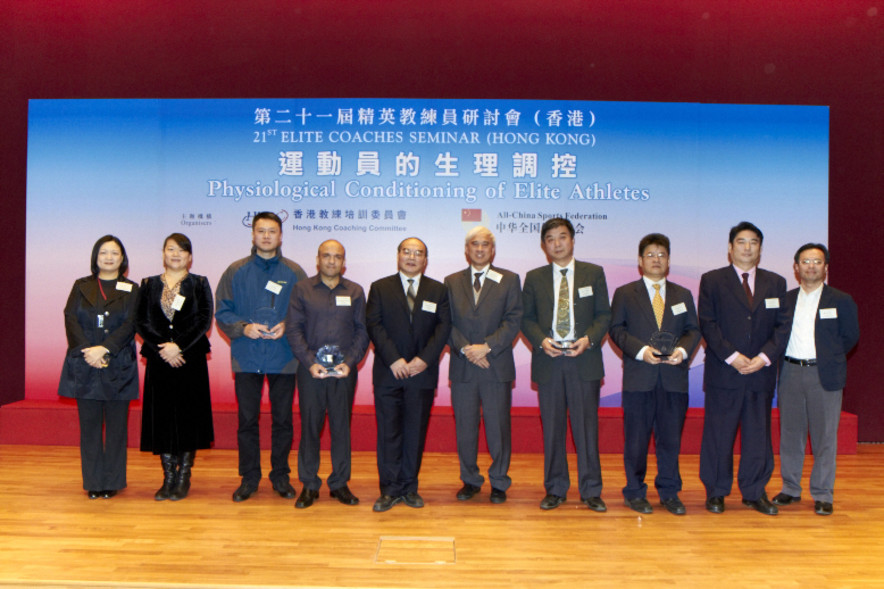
(715, 504)
(344, 495)
(595, 504)
(108, 493)
(497, 496)
(306, 498)
(413, 500)
(467, 492)
(822, 507)
(784, 499)
(673, 505)
(284, 490)
(639, 504)
(244, 491)
(762, 505)
(385, 503)
(551, 502)
(93, 494)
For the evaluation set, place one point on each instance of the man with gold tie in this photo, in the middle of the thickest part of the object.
(654, 323)
(566, 316)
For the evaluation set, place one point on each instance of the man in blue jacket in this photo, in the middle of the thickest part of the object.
(824, 328)
(252, 299)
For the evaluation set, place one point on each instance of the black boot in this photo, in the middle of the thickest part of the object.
(182, 482)
(170, 462)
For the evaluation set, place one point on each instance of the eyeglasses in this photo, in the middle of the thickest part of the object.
(815, 262)
(652, 255)
(416, 253)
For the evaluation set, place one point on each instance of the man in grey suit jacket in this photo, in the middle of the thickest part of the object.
(486, 308)
(567, 314)
(655, 382)
(825, 328)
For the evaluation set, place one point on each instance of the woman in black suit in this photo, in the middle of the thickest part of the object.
(100, 369)
(174, 314)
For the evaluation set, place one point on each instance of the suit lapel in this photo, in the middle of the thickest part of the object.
(90, 292)
(487, 286)
(399, 293)
(736, 286)
(644, 303)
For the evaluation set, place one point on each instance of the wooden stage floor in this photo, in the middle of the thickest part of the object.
(51, 535)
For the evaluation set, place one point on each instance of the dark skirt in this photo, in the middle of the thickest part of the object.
(177, 408)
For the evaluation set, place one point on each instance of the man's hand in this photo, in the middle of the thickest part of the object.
(318, 371)
(276, 332)
(549, 346)
(416, 366)
(476, 352)
(399, 368)
(649, 356)
(754, 365)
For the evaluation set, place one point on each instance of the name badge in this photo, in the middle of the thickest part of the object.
(273, 287)
(679, 309)
(178, 302)
(494, 275)
(430, 306)
(831, 313)
(342, 301)
(124, 286)
(584, 291)
(772, 303)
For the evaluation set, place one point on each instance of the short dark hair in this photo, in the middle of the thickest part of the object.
(426, 249)
(745, 226)
(124, 265)
(812, 246)
(269, 217)
(553, 223)
(182, 240)
(653, 239)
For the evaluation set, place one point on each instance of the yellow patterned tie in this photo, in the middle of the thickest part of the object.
(658, 305)
(563, 314)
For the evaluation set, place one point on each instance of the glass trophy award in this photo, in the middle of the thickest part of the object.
(266, 316)
(664, 342)
(329, 356)
(562, 344)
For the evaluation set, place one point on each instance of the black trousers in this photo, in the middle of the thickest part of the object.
(402, 413)
(662, 413)
(726, 410)
(565, 397)
(104, 436)
(281, 391)
(317, 398)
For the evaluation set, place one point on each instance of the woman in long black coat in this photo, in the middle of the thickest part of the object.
(174, 314)
(100, 368)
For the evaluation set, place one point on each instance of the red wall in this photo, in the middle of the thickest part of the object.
(828, 52)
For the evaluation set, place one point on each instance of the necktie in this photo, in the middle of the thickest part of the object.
(409, 295)
(658, 305)
(563, 315)
(477, 286)
(747, 289)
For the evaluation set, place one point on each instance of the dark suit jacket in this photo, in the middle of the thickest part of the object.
(592, 316)
(493, 320)
(632, 324)
(395, 337)
(729, 325)
(189, 325)
(834, 337)
(119, 381)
